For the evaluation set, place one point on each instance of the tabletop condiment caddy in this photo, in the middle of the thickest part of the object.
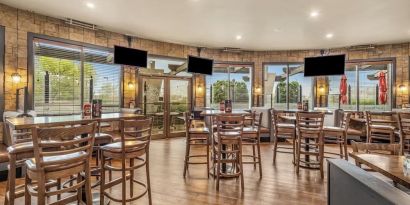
(93, 109)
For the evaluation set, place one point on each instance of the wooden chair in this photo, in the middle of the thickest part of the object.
(71, 156)
(251, 137)
(195, 137)
(227, 147)
(340, 134)
(249, 120)
(404, 130)
(284, 131)
(134, 144)
(379, 126)
(309, 127)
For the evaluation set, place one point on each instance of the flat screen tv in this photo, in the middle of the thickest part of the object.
(200, 65)
(130, 56)
(325, 65)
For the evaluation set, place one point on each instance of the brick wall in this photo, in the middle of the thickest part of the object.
(36, 23)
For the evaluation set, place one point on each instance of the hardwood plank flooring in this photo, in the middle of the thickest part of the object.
(280, 184)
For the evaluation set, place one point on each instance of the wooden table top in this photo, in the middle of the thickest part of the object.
(362, 120)
(390, 166)
(27, 122)
(218, 112)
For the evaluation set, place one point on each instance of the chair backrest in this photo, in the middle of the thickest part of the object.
(404, 124)
(380, 148)
(258, 120)
(188, 120)
(276, 114)
(309, 124)
(229, 126)
(346, 120)
(379, 117)
(136, 130)
(58, 141)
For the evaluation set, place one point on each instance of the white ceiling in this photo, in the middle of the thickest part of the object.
(263, 24)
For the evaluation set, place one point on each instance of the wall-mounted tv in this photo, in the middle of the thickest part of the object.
(325, 65)
(130, 56)
(200, 65)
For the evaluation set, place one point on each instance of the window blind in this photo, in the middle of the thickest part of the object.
(61, 70)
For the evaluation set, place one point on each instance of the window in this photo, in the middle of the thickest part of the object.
(67, 75)
(363, 81)
(164, 65)
(285, 85)
(232, 82)
(2, 39)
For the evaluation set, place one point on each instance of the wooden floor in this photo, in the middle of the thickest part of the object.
(279, 185)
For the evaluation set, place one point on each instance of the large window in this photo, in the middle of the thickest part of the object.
(66, 76)
(232, 82)
(165, 65)
(285, 85)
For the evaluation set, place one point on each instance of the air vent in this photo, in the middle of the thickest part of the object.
(362, 47)
(81, 24)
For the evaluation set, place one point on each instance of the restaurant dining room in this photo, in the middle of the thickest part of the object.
(197, 102)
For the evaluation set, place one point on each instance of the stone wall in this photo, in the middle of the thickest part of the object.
(26, 22)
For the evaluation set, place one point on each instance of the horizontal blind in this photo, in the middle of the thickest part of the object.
(105, 78)
(57, 73)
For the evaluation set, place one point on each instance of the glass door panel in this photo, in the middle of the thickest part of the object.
(153, 102)
(179, 102)
(240, 87)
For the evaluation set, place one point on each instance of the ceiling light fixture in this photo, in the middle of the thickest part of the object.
(90, 5)
(329, 35)
(238, 37)
(314, 14)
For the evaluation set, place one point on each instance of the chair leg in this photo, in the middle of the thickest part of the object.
(207, 158)
(259, 159)
(275, 147)
(79, 190)
(88, 194)
(218, 169)
(298, 154)
(27, 196)
(345, 146)
(58, 187)
(102, 178)
(187, 149)
(131, 178)
(321, 155)
(340, 141)
(41, 196)
(124, 181)
(241, 165)
(148, 178)
(254, 156)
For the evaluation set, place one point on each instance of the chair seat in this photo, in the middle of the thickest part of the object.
(20, 148)
(354, 132)
(117, 146)
(31, 163)
(333, 129)
(250, 130)
(199, 130)
(383, 127)
(102, 138)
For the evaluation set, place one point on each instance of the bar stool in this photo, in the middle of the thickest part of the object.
(195, 137)
(404, 130)
(340, 134)
(284, 131)
(251, 137)
(309, 126)
(227, 147)
(71, 156)
(134, 144)
(382, 128)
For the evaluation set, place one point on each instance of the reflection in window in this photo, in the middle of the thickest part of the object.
(275, 80)
(300, 87)
(232, 82)
(163, 65)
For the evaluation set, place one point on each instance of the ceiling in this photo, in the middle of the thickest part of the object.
(261, 24)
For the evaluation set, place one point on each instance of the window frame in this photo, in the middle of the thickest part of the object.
(2, 71)
(30, 61)
(250, 64)
(392, 84)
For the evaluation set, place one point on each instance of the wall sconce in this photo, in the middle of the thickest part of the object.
(16, 77)
(199, 88)
(321, 89)
(258, 90)
(130, 84)
(402, 89)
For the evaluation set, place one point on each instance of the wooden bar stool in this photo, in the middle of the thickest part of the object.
(309, 128)
(134, 144)
(70, 156)
(195, 137)
(227, 147)
(379, 126)
(404, 130)
(251, 137)
(284, 131)
(339, 134)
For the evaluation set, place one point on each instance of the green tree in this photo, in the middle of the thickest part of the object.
(239, 91)
(294, 89)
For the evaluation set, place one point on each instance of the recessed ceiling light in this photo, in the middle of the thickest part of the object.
(329, 35)
(90, 5)
(238, 37)
(314, 14)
